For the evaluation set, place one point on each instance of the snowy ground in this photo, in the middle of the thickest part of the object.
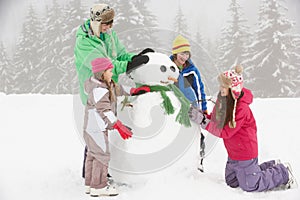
(41, 154)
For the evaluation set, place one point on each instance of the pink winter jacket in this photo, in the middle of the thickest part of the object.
(241, 141)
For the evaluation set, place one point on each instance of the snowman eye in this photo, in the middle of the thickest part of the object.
(172, 69)
(163, 68)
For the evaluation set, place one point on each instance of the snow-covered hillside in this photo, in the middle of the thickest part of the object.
(41, 154)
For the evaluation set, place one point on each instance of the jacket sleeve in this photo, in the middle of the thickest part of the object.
(123, 55)
(103, 107)
(198, 86)
(226, 132)
(121, 61)
(119, 68)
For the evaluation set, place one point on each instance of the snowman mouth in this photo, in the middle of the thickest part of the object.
(164, 82)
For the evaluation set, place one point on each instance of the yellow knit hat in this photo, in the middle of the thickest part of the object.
(180, 44)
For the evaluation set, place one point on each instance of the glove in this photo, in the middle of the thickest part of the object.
(136, 62)
(196, 115)
(147, 50)
(124, 131)
(139, 90)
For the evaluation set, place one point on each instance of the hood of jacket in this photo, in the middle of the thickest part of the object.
(92, 83)
(247, 97)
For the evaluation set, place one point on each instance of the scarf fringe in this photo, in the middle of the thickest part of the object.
(182, 116)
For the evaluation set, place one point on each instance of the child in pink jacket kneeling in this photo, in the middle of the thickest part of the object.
(233, 121)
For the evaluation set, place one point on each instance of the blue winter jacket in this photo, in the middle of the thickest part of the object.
(191, 85)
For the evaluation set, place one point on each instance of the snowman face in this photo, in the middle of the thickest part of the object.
(160, 70)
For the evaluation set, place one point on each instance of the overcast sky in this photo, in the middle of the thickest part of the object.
(207, 16)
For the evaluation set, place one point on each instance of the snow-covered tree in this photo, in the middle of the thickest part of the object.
(235, 38)
(269, 72)
(28, 54)
(128, 21)
(135, 24)
(146, 35)
(6, 72)
(180, 24)
(74, 14)
(294, 60)
(52, 72)
(203, 60)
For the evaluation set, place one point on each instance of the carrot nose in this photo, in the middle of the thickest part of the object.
(172, 79)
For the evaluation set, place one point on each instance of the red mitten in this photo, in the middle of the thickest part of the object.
(123, 130)
(139, 90)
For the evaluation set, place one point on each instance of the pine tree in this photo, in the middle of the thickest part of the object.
(294, 60)
(180, 28)
(234, 39)
(51, 75)
(146, 35)
(271, 50)
(135, 26)
(74, 16)
(128, 23)
(6, 73)
(203, 60)
(28, 55)
(180, 24)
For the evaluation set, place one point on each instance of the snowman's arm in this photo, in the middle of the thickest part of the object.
(124, 90)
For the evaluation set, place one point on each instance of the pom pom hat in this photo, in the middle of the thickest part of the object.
(101, 64)
(233, 79)
(180, 44)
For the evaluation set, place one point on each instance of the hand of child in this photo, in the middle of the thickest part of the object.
(124, 131)
(196, 115)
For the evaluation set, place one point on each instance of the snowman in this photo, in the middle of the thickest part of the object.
(163, 136)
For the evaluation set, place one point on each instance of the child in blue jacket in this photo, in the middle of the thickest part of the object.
(189, 80)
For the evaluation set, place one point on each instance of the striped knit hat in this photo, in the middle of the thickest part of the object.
(180, 44)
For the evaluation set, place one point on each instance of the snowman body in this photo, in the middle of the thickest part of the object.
(159, 143)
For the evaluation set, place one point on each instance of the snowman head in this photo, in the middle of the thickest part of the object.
(160, 70)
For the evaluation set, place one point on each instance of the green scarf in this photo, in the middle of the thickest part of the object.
(182, 117)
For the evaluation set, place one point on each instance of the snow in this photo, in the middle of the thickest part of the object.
(41, 154)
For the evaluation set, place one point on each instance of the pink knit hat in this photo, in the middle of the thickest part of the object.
(101, 64)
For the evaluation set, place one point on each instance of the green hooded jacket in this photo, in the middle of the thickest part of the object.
(88, 47)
